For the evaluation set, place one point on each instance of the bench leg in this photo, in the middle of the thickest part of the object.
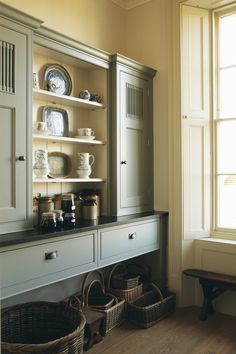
(207, 307)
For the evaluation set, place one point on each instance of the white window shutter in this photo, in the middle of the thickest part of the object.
(195, 123)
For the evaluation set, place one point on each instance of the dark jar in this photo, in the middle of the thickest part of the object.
(59, 219)
(69, 221)
(68, 203)
(48, 222)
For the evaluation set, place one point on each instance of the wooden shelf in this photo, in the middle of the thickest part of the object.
(67, 180)
(67, 140)
(66, 100)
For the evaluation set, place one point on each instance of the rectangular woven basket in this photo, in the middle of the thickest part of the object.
(114, 311)
(126, 294)
(151, 307)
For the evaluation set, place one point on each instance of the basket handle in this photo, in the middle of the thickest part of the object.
(158, 290)
(86, 293)
(88, 275)
(118, 265)
(74, 302)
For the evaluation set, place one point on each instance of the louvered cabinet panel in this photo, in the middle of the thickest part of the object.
(13, 128)
(132, 171)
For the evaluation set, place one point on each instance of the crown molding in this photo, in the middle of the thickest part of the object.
(129, 4)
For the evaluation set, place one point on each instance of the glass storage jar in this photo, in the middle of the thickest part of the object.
(59, 219)
(69, 221)
(48, 222)
(68, 203)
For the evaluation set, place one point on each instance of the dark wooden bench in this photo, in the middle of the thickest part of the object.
(213, 284)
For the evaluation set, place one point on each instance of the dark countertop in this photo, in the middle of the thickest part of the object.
(81, 226)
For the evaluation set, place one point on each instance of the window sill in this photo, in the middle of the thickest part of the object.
(217, 244)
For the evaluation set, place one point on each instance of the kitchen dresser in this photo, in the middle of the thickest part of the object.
(123, 151)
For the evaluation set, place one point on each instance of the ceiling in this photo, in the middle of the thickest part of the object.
(209, 4)
(129, 4)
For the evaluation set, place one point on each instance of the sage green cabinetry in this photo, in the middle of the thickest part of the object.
(131, 137)
(15, 115)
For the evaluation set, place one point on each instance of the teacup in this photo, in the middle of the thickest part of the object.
(85, 160)
(40, 127)
(85, 132)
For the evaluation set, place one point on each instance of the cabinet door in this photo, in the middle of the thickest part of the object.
(135, 142)
(13, 115)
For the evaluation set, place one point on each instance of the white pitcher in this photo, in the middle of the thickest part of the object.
(85, 160)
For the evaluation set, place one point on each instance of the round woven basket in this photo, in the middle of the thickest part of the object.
(43, 328)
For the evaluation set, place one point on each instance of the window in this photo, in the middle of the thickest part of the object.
(225, 121)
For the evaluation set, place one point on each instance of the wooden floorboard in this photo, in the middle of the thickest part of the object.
(180, 333)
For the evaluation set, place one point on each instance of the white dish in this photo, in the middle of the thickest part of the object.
(91, 137)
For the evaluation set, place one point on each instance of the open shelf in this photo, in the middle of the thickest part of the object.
(66, 100)
(65, 139)
(67, 180)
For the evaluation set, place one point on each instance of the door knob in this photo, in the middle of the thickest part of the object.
(124, 162)
(21, 158)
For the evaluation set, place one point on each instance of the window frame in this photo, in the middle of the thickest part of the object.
(220, 232)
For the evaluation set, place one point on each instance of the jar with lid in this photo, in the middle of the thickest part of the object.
(90, 209)
(45, 205)
(59, 219)
(69, 221)
(48, 222)
(93, 194)
(68, 203)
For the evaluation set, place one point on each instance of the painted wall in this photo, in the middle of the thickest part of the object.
(99, 23)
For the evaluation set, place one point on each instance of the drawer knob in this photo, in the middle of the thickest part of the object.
(132, 236)
(51, 255)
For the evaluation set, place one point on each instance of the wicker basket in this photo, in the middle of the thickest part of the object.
(126, 294)
(114, 313)
(124, 281)
(151, 307)
(43, 328)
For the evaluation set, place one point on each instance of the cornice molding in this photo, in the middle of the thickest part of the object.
(129, 4)
(19, 16)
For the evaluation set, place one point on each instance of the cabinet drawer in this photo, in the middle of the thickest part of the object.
(116, 244)
(28, 268)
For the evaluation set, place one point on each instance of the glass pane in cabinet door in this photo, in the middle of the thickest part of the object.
(227, 89)
(227, 35)
(226, 202)
(226, 147)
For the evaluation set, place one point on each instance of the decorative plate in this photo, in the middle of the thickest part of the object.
(58, 80)
(92, 137)
(57, 121)
(59, 165)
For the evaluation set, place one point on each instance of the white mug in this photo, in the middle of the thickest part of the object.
(85, 132)
(85, 159)
(40, 127)
(35, 80)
